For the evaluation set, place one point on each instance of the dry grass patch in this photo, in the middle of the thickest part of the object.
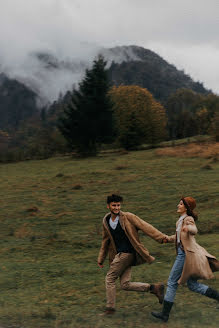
(121, 167)
(204, 150)
(77, 187)
(23, 231)
(207, 167)
(33, 209)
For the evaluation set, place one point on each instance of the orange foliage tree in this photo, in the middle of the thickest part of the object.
(214, 128)
(139, 118)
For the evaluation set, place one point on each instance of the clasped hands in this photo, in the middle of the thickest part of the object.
(166, 239)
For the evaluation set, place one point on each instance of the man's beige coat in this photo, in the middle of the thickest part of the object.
(131, 224)
(199, 264)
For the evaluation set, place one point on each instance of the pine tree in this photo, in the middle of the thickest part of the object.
(88, 119)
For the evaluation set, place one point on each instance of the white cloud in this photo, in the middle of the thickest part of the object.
(198, 61)
(184, 32)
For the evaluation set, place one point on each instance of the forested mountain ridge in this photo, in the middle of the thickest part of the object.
(171, 105)
(128, 65)
(152, 72)
(17, 103)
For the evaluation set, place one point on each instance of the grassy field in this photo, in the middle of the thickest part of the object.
(51, 217)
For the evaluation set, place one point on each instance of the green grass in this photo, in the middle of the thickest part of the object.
(51, 217)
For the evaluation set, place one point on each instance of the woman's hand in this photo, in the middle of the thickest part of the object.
(185, 229)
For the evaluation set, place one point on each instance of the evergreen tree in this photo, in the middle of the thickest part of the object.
(88, 118)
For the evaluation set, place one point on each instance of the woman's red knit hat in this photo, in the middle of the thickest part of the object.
(190, 204)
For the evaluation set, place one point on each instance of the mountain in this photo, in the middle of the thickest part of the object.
(46, 77)
(151, 71)
(17, 102)
(128, 65)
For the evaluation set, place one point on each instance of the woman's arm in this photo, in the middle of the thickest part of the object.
(189, 225)
(171, 239)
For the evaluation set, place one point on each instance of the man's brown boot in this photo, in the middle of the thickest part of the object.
(158, 290)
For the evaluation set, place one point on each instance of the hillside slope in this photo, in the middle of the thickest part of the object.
(17, 102)
(152, 72)
(51, 219)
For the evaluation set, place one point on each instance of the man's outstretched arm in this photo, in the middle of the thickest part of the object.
(149, 230)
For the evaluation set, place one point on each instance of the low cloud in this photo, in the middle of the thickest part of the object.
(184, 33)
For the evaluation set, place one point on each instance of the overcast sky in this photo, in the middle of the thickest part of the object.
(184, 32)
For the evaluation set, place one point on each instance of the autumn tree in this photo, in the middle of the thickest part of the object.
(203, 120)
(88, 118)
(190, 113)
(139, 118)
(214, 127)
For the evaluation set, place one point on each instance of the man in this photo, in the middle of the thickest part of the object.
(121, 241)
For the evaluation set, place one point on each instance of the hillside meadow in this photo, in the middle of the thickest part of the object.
(50, 234)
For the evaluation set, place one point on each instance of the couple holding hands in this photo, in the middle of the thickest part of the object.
(121, 241)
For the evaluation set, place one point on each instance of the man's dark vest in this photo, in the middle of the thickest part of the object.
(121, 240)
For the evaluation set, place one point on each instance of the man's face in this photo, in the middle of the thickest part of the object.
(114, 207)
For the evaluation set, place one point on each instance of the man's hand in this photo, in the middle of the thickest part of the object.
(165, 240)
(100, 265)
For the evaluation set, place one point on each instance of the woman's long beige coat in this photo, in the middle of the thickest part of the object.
(130, 224)
(199, 264)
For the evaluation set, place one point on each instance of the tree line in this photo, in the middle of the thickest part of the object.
(98, 113)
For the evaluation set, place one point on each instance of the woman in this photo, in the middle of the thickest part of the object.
(192, 262)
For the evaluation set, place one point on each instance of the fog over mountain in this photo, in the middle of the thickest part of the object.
(47, 44)
(48, 76)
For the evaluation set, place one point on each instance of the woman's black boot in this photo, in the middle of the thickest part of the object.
(212, 293)
(164, 315)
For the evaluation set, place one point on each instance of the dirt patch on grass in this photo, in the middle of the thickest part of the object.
(33, 209)
(121, 167)
(204, 150)
(207, 167)
(23, 231)
(77, 187)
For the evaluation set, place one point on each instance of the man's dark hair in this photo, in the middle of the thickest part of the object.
(114, 198)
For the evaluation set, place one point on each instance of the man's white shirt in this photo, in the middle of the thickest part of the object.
(113, 224)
